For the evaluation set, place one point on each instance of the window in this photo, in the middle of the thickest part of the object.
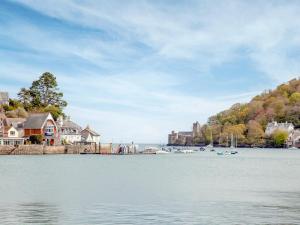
(49, 129)
(12, 133)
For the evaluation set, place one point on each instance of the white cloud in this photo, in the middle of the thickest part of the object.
(127, 90)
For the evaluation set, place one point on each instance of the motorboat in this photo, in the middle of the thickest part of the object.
(184, 151)
(187, 151)
(178, 151)
(161, 152)
(150, 150)
(234, 152)
(220, 153)
(202, 149)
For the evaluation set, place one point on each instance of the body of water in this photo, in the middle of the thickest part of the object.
(253, 187)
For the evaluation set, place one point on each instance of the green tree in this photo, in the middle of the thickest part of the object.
(43, 96)
(280, 137)
(46, 92)
(25, 97)
(295, 98)
(54, 110)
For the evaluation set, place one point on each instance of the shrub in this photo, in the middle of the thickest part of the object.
(36, 139)
(280, 137)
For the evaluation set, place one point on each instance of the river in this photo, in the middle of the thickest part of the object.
(252, 187)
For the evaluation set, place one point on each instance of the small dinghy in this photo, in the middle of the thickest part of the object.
(202, 149)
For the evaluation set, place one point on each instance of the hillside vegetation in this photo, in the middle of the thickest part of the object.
(42, 96)
(248, 121)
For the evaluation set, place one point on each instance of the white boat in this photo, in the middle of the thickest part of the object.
(150, 150)
(184, 151)
(178, 151)
(161, 152)
(187, 151)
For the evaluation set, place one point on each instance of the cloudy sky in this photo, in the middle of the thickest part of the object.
(134, 70)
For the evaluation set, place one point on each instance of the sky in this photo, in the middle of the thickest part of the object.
(135, 70)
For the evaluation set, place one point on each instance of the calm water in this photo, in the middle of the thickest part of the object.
(252, 187)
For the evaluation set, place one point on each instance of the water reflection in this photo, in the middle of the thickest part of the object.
(200, 213)
(30, 213)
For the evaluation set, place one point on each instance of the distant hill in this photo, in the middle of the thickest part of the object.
(247, 121)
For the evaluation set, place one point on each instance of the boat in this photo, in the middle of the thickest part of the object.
(184, 151)
(150, 150)
(161, 152)
(187, 151)
(293, 148)
(233, 145)
(178, 151)
(202, 149)
(220, 153)
(211, 145)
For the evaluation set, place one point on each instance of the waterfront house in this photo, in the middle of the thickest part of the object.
(69, 131)
(273, 126)
(90, 136)
(11, 136)
(294, 139)
(4, 98)
(11, 130)
(41, 124)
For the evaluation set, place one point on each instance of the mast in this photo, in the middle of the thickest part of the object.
(232, 141)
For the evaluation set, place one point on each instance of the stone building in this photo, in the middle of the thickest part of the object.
(180, 138)
(184, 137)
(196, 129)
(172, 138)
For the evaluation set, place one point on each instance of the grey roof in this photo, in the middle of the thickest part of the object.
(15, 122)
(88, 129)
(71, 124)
(35, 120)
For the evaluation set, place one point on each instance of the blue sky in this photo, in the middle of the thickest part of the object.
(134, 70)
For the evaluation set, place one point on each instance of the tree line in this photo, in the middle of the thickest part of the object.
(248, 121)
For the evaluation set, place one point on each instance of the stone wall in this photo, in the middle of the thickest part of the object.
(6, 150)
(41, 150)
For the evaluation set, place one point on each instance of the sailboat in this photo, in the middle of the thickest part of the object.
(211, 145)
(233, 145)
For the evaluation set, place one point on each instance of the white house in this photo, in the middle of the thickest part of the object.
(11, 130)
(69, 131)
(11, 136)
(273, 126)
(88, 135)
